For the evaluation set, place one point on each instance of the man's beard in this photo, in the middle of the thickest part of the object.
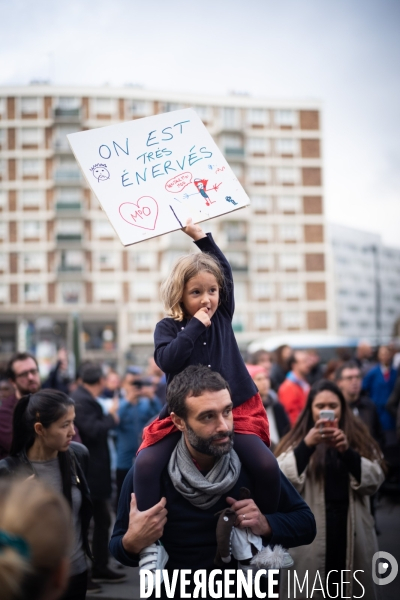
(206, 446)
(26, 390)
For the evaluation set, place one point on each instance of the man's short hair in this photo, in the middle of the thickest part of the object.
(16, 358)
(91, 373)
(193, 381)
(349, 364)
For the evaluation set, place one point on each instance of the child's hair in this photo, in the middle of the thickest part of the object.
(35, 536)
(185, 268)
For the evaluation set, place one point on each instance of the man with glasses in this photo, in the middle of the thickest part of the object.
(23, 374)
(348, 378)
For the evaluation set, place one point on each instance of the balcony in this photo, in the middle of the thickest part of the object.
(64, 176)
(70, 272)
(62, 147)
(234, 152)
(70, 210)
(69, 240)
(67, 115)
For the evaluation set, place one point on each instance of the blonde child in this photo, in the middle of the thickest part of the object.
(198, 297)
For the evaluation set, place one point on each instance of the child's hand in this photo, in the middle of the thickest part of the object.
(202, 315)
(192, 230)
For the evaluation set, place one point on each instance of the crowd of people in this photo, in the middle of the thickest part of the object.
(194, 454)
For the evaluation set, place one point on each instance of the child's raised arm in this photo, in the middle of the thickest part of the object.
(193, 230)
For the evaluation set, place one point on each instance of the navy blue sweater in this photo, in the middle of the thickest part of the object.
(179, 344)
(189, 534)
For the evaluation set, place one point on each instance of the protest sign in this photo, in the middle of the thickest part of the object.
(151, 174)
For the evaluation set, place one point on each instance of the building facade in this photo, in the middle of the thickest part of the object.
(60, 261)
(367, 284)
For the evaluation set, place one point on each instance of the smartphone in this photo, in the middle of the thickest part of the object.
(327, 414)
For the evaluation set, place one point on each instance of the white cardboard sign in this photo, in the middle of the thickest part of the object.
(151, 174)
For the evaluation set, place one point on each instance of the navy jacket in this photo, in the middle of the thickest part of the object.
(379, 390)
(179, 344)
(189, 534)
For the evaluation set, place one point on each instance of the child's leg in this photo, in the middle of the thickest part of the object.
(148, 467)
(263, 468)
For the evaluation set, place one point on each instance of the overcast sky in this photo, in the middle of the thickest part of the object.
(343, 52)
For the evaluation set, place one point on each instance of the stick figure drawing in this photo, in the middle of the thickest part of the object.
(201, 185)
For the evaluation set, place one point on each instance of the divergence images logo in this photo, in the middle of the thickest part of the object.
(384, 571)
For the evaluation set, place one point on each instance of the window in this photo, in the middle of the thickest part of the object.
(143, 260)
(104, 106)
(235, 231)
(258, 145)
(240, 291)
(237, 170)
(33, 292)
(71, 292)
(107, 260)
(2, 167)
(60, 136)
(32, 229)
(289, 203)
(71, 260)
(170, 106)
(3, 136)
(3, 107)
(33, 261)
(3, 230)
(169, 259)
(263, 203)
(29, 106)
(103, 229)
(263, 290)
(69, 197)
(3, 293)
(290, 233)
(237, 260)
(288, 175)
(143, 290)
(259, 174)
(3, 199)
(232, 144)
(262, 232)
(31, 136)
(239, 322)
(264, 320)
(32, 167)
(204, 112)
(290, 261)
(230, 118)
(32, 198)
(141, 108)
(257, 116)
(143, 321)
(292, 289)
(69, 227)
(3, 261)
(286, 146)
(285, 117)
(106, 291)
(291, 319)
(263, 261)
(68, 103)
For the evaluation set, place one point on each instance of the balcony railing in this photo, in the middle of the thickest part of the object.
(62, 146)
(64, 175)
(70, 268)
(237, 152)
(69, 237)
(64, 113)
(64, 206)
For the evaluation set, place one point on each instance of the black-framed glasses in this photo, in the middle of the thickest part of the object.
(25, 374)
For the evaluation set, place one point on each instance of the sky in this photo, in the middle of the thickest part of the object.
(345, 53)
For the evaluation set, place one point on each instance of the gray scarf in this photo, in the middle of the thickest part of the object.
(202, 491)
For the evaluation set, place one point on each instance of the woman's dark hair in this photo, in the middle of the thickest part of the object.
(282, 362)
(45, 407)
(356, 432)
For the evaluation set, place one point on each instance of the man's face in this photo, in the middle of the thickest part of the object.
(27, 379)
(302, 365)
(208, 428)
(350, 384)
(6, 389)
(384, 356)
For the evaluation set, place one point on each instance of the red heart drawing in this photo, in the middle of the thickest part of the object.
(142, 214)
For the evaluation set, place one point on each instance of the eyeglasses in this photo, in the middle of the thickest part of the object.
(26, 374)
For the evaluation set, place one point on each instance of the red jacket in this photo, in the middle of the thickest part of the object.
(293, 397)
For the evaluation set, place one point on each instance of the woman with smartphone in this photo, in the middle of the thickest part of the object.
(332, 460)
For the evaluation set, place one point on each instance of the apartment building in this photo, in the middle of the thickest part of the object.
(367, 284)
(60, 260)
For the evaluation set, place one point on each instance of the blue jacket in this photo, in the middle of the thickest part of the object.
(379, 391)
(179, 344)
(189, 534)
(132, 419)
